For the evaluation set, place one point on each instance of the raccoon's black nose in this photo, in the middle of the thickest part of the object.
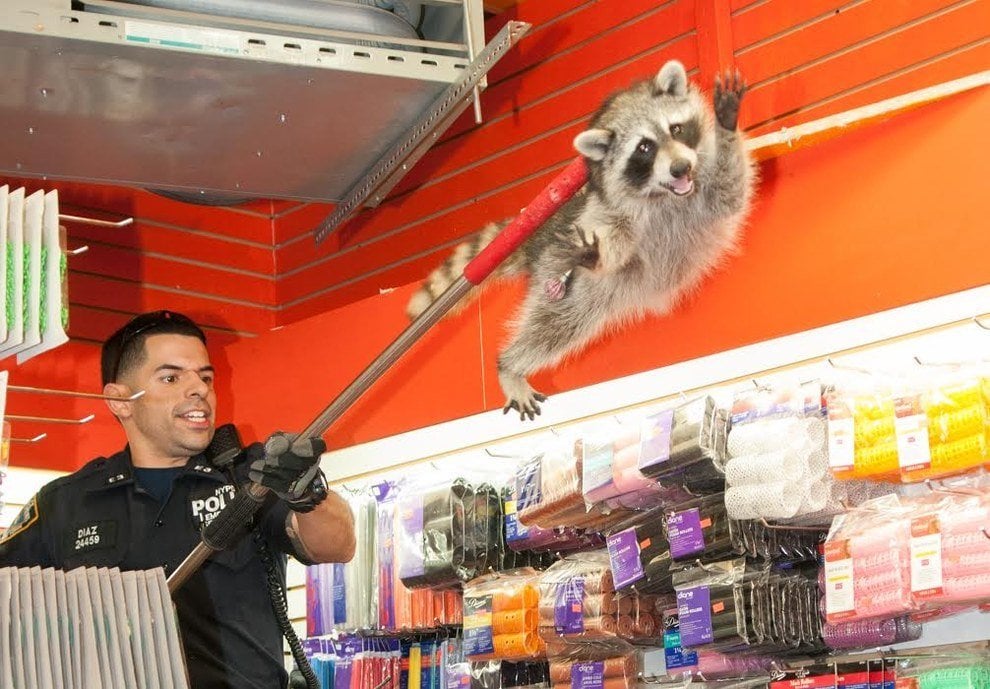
(679, 168)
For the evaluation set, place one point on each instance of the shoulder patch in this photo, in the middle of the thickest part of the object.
(24, 520)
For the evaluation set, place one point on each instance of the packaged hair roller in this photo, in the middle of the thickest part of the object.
(501, 617)
(699, 529)
(683, 446)
(549, 490)
(617, 672)
(578, 600)
(520, 538)
(712, 608)
(778, 463)
(920, 425)
(634, 546)
(867, 563)
(432, 536)
(610, 465)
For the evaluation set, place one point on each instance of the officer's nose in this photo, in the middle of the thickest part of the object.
(197, 386)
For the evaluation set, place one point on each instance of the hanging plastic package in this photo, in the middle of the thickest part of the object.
(34, 210)
(15, 273)
(53, 312)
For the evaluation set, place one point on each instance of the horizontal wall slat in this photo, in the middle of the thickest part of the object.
(97, 291)
(135, 266)
(460, 223)
(955, 64)
(152, 237)
(137, 203)
(555, 44)
(963, 24)
(833, 33)
(764, 20)
(648, 43)
(474, 211)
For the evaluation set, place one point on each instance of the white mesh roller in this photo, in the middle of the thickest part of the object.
(774, 500)
(765, 436)
(782, 465)
(817, 465)
(816, 497)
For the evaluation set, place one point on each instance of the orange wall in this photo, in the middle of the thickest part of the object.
(885, 216)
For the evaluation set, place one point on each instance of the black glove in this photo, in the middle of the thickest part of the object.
(291, 470)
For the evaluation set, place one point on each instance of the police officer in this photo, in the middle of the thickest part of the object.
(144, 506)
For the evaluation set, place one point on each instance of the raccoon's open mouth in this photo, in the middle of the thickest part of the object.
(681, 186)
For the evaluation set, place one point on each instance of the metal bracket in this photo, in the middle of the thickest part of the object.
(402, 155)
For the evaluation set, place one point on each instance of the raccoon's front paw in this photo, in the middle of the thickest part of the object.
(589, 254)
(521, 397)
(728, 94)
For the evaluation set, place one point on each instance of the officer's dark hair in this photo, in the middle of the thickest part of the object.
(124, 350)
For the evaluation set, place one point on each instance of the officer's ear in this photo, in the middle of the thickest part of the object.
(121, 409)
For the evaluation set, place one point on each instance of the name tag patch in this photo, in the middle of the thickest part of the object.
(207, 504)
(92, 536)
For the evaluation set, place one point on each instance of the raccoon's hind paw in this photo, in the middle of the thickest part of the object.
(728, 94)
(523, 399)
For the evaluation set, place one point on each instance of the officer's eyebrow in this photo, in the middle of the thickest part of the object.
(176, 367)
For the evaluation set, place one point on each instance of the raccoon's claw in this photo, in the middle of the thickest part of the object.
(728, 93)
(528, 407)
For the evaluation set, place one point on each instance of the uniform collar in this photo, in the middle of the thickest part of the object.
(118, 471)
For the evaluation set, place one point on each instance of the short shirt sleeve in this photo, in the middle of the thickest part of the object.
(27, 542)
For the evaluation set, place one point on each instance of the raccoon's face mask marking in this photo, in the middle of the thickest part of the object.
(659, 164)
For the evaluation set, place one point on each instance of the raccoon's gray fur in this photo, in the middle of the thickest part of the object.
(669, 185)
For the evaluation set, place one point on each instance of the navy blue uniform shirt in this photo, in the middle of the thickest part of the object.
(100, 517)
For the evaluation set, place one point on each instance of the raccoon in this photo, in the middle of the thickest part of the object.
(669, 186)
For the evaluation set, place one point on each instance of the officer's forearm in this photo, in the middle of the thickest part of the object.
(327, 532)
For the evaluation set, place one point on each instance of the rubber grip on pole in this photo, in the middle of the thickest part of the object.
(227, 528)
(553, 196)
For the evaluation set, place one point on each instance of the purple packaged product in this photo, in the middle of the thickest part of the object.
(339, 595)
(345, 653)
(588, 675)
(411, 519)
(695, 616)
(314, 615)
(311, 647)
(655, 444)
(386, 560)
(623, 556)
(685, 533)
(568, 610)
(528, 488)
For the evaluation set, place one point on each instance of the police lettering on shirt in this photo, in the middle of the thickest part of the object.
(207, 504)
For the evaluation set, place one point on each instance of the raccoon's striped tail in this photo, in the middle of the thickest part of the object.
(444, 276)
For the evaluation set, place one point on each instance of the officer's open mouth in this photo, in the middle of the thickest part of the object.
(196, 417)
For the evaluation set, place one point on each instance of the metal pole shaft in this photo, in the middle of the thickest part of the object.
(562, 188)
(389, 356)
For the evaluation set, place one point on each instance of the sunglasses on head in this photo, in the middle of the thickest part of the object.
(144, 324)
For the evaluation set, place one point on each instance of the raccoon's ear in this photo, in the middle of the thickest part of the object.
(671, 80)
(593, 143)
